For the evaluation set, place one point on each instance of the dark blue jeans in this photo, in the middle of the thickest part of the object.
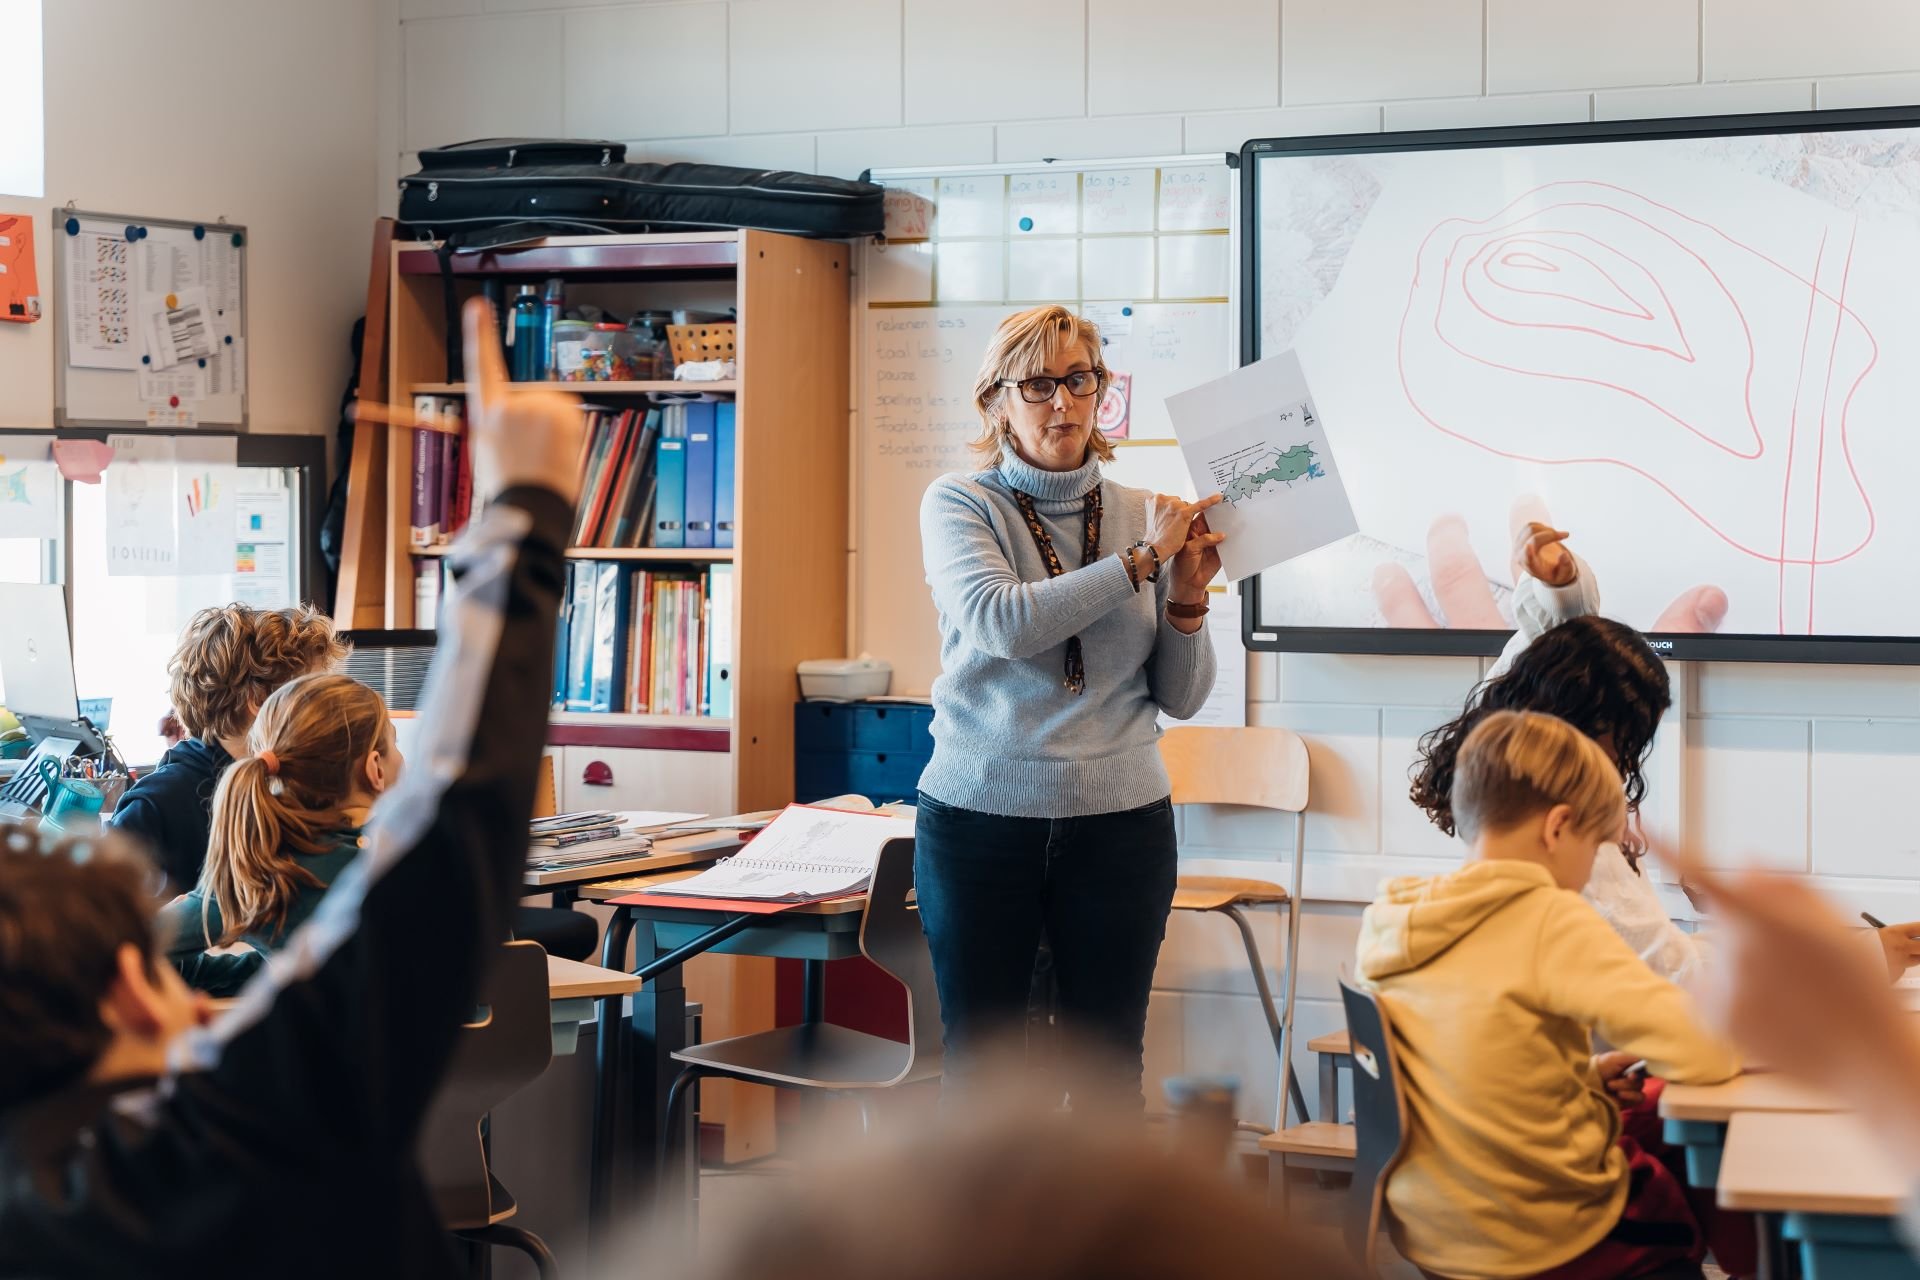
(1099, 889)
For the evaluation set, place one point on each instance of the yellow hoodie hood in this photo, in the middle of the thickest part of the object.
(1416, 918)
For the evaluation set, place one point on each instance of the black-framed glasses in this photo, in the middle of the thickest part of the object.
(1079, 384)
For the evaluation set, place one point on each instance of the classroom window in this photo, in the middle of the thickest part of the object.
(23, 139)
(125, 628)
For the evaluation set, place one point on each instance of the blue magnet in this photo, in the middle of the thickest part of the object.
(229, 339)
(73, 226)
(133, 233)
(143, 233)
(203, 362)
(1126, 311)
(238, 240)
(199, 233)
(1026, 224)
(146, 359)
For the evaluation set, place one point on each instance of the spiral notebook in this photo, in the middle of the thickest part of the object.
(807, 854)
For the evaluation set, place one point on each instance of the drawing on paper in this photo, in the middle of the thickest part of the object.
(1274, 468)
(13, 487)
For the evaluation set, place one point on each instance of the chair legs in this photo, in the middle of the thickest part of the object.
(509, 1237)
(1294, 1091)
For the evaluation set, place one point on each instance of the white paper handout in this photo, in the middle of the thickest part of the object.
(205, 479)
(1255, 437)
(29, 486)
(100, 297)
(178, 327)
(141, 538)
(805, 855)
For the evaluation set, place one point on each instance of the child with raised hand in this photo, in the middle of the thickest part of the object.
(286, 822)
(281, 1138)
(1495, 978)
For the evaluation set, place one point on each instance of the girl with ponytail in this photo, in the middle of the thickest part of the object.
(286, 822)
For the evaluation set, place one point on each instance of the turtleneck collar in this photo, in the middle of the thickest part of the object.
(1049, 486)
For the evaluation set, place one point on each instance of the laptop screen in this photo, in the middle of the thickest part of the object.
(36, 657)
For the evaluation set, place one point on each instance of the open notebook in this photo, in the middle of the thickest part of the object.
(808, 854)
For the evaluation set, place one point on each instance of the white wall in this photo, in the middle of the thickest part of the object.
(1793, 765)
(260, 110)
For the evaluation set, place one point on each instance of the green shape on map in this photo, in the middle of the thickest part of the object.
(1296, 463)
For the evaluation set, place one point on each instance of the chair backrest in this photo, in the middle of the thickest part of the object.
(1263, 767)
(1380, 1119)
(891, 937)
(505, 1049)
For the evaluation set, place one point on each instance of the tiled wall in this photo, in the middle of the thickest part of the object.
(1800, 767)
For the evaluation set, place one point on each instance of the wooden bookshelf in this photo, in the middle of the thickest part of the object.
(792, 303)
(588, 390)
(649, 555)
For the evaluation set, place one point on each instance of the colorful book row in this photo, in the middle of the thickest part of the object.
(636, 640)
(442, 499)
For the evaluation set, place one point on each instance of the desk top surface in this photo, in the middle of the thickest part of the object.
(572, 980)
(1808, 1163)
(1750, 1092)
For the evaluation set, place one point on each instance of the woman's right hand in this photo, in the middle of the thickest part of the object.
(1170, 523)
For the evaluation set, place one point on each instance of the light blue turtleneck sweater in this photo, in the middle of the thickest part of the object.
(1008, 736)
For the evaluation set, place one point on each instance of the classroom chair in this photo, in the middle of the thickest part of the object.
(1262, 768)
(505, 1048)
(827, 1058)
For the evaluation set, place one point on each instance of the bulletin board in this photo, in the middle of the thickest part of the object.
(1146, 248)
(151, 315)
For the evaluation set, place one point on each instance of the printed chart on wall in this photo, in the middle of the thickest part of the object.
(152, 322)
(1145, 248)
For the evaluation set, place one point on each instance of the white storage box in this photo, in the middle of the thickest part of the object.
(845, 679)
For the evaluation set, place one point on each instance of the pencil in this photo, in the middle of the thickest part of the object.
(1878, 924)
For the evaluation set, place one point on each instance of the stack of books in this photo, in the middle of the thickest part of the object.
(594, 836)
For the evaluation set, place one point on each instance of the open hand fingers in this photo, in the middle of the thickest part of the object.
(1399, 599)
(1459, 583)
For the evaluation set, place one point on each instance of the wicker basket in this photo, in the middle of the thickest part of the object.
(694, 342)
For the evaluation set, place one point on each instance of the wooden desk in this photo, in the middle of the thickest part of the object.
(1828, 1176)
(574, 988)
(635, 1070)
(1695, 1116)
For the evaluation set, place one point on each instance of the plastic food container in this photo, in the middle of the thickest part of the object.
(844, 679)
(609, 354)
(570, 349)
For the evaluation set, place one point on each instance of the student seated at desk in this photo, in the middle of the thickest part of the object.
(1603, 678)
(280, 1139)
(1494, 978)
(229, 660)
(286, 822)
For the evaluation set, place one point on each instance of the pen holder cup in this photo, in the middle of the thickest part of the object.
(72, 803)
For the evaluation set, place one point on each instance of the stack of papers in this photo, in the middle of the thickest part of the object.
(807, 854)
(593, 836)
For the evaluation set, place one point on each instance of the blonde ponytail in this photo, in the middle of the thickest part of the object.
(287, 799)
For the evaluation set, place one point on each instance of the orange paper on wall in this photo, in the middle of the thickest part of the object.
(19, 282)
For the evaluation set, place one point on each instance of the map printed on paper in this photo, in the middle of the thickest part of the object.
(1272, 464)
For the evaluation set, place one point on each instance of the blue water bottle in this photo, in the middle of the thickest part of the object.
(524, 364)
(552, 304)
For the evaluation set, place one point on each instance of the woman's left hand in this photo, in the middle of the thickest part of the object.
(1197, 564)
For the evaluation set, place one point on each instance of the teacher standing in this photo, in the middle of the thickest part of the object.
(1072, 612)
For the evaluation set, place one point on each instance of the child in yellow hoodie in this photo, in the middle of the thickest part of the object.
(1493, 978)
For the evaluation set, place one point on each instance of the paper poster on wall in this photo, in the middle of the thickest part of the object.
(29, 489)
(99, 298)
(260, 515)
(260, 575)
(19, 274)
(141, 537)
(177, 327)
(204, 480)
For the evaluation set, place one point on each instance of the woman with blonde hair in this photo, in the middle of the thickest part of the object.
(286, 822)
(1072, 613)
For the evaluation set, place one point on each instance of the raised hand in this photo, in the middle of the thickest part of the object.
(520, 433)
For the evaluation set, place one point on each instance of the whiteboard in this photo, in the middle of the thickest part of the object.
(107, 270)
(1148, 248)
